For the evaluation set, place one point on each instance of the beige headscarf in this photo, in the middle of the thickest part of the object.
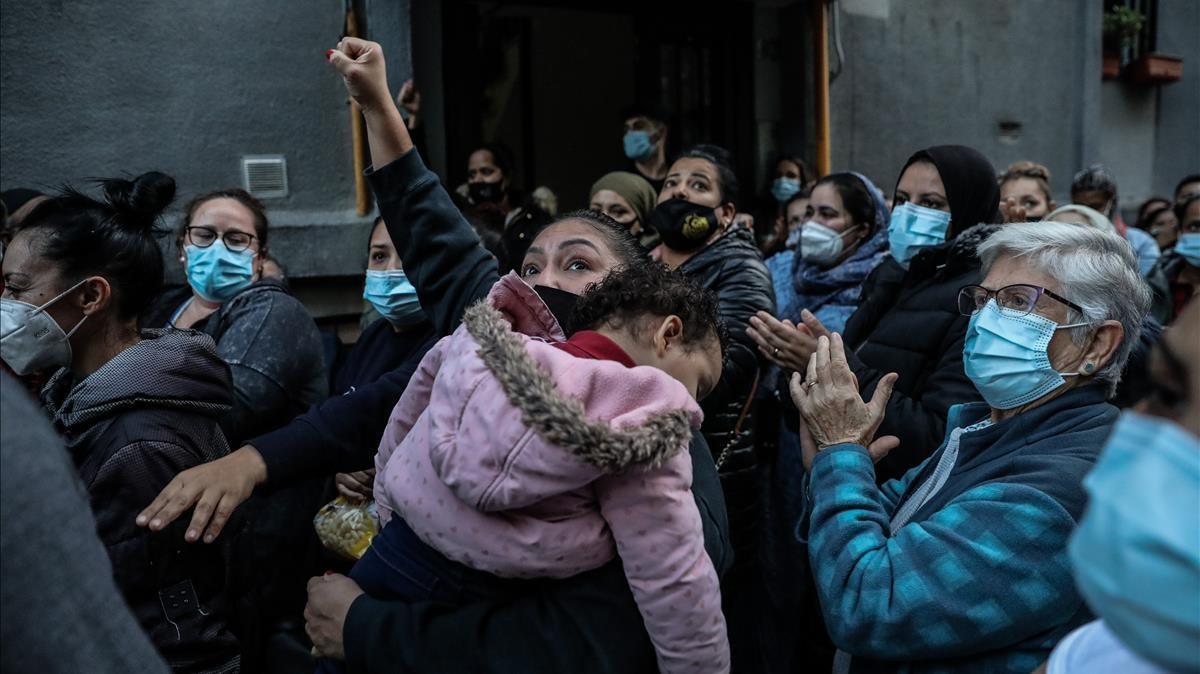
(632, 188)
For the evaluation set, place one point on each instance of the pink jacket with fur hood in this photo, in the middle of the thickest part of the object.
(516, 458)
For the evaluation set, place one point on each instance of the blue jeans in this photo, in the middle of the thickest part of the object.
(399, 566)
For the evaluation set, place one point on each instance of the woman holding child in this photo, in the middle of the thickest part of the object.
(584, 622)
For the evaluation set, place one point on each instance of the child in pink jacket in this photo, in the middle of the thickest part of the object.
(520, 454)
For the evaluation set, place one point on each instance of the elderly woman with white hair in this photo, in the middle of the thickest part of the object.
(961, 565)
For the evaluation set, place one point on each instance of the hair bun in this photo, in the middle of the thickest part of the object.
(142, 200)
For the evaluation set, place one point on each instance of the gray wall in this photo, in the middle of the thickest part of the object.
(1150, 134)
(927, 72)
(1177, 146)
(106, 88)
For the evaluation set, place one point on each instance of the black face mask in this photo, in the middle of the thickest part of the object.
(485, 193)
(561, 303)
(682, 225)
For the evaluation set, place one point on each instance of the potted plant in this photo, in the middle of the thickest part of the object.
(1121, 28)
(1154, 68)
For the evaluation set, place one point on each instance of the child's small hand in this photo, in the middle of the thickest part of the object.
(356, 486)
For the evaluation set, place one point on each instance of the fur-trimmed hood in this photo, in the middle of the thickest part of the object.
(515, 419)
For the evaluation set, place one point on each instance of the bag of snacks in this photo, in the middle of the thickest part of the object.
(346, 527)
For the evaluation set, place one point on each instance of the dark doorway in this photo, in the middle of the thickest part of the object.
(551, 80)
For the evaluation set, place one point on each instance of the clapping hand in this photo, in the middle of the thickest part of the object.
(831, 406)
(786, 344)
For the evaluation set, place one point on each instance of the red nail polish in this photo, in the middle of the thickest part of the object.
(328, 53)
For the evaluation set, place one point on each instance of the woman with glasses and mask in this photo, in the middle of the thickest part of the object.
(135, 407)
(961, 565)
(265, 334)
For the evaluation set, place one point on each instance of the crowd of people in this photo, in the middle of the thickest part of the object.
(953, 429)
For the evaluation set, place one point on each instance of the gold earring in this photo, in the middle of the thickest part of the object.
(1088, 367)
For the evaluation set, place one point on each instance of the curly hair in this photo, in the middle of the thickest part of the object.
(628, 296)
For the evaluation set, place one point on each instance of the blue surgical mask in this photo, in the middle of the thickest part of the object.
(1135, 554)
(783, 189)
(1189, 247)
(915, 227)
(1005, 356)
(638, 145)
(218, 274)
(393, 296)
(793, 239)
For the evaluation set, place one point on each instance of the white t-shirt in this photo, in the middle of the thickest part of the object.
(1093, 649)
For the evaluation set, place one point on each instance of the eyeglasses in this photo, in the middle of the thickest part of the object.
(203, 237)
(1019, 299)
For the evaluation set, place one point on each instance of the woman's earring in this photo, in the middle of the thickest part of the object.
(1088, 367)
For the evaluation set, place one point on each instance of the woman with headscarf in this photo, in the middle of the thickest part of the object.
(843, 238)
(627, 198)
(906, 321)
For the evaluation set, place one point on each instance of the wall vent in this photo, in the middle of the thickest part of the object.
(265, 175)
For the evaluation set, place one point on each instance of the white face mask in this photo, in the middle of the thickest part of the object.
(30, 340)
(821, 245)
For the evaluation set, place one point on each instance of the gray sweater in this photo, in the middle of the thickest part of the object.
(59, 608)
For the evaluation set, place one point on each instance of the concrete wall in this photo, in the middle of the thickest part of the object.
(927, 72)
(109, 88)
(1127, 116)
(1177, 142)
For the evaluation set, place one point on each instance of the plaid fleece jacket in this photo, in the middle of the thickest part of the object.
(978, 580)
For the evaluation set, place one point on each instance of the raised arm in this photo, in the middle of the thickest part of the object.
(442, 255)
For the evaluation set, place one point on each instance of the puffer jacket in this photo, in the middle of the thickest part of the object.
(514, 457)
(732, 268)
(908, 323)
(273, 349)
(131, 426)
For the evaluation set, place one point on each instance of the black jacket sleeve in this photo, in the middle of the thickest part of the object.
(340, 434)
(745, 289)
(920, 422)
(586, 623)
(441, 253)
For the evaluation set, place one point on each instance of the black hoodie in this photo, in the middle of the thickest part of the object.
(130, 427)
(908, 321)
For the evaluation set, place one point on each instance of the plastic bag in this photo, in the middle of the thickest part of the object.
(347, 528)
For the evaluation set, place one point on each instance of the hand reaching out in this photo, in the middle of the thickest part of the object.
(216, 488)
